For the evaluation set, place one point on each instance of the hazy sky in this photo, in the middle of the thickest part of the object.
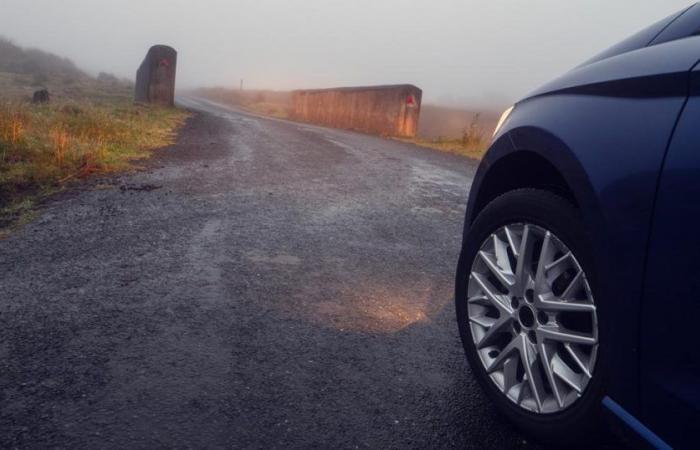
(457, 51)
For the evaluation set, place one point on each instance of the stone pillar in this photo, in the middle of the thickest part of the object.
(155, 78)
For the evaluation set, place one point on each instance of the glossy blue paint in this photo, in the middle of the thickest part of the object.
(670, 381)
(657, 67)
(606, 128)
(686, 24)
(632, 422)
(640, 39)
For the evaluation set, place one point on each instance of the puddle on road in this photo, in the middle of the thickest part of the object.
(373, 307)
(433, 180)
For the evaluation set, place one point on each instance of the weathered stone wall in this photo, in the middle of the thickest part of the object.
(384, 110)
(155, 78)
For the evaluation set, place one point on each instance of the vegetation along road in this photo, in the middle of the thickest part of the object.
(264, 283)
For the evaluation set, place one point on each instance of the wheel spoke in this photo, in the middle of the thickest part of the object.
(578, 358)
(529, 358)
(486, 322)
(510, 372)
(575, 282)
(544, 256)
(563, 306)
(567, 375)
(497, 328)
(545, 359)
(479, 300)
(513, 346)
(512, 242)
(524, 258)
(493, 298)
(558, 264)
(524, 387)
(504, 278)
(560, 335)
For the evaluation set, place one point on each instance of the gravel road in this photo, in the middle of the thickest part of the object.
(260, 284)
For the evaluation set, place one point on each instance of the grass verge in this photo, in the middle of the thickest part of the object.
(474, 150)
(44, 147)
(268, 109)
(472, 144)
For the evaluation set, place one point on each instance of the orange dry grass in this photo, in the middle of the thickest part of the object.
(473, 143)
(42, 146)
(12, 127)
(60, 140)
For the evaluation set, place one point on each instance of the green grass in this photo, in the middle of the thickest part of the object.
(89, 127)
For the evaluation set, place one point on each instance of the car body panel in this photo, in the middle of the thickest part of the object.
(640, 39)
(670, 357)
(686, 24)
(615, 189)
(650, 71)
(606, 127)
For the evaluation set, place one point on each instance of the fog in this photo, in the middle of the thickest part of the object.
(460, 52)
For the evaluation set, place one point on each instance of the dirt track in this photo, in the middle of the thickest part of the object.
(263, 284)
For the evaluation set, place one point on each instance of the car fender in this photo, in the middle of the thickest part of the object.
(609, 150)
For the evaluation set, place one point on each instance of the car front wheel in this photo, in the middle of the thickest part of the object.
(528, 316)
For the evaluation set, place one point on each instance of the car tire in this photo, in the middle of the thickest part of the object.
(579, 423)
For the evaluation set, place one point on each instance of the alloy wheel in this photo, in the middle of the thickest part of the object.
(532, 317)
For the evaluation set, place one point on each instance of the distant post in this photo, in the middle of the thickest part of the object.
(155, 78)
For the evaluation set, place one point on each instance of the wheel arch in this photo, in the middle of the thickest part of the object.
(530, 157)
(506, 175)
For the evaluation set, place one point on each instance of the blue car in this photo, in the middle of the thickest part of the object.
(577, 289)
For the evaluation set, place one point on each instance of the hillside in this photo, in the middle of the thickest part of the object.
(15, 59)
(23, 71)
(90, 126)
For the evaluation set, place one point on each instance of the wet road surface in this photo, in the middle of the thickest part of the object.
(262, 284)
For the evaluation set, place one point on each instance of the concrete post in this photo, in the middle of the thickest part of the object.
(384, 110)
(155, 78)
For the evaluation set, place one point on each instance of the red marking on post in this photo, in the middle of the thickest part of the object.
(164, 62)
(410, 100)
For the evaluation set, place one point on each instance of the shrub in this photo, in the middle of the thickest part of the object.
(107, 77)
(473, 134)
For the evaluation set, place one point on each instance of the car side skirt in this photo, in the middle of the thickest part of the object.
(635, 425)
